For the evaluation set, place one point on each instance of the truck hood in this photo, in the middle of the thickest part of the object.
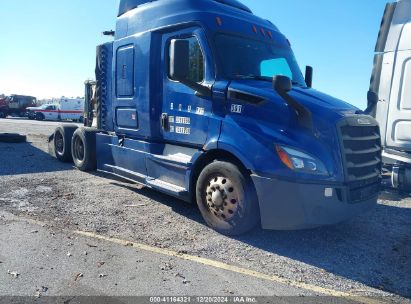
(310, 98)
(325, 109)
(33, 108)
(272, 120)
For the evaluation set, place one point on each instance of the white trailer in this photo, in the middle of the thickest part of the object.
(72, 109)
(389, 99)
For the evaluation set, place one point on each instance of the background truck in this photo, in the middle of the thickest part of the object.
(205, 101)
(389, 98)
(18, 104)
(4, 108)
(65, 109)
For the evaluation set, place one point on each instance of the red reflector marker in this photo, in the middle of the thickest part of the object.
(255, 29)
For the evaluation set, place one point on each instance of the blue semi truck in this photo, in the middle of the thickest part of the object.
(204, 101)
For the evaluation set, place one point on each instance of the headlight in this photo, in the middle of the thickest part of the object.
(300, 161)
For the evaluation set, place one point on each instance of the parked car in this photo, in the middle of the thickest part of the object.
(47, 111)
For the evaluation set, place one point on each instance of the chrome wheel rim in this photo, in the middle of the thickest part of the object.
(223, 199)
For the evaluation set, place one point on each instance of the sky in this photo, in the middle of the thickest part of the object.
(48, 47)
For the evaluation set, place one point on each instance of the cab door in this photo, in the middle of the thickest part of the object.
(51, 113)
(185, 114)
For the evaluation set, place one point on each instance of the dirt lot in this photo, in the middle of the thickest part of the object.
(369, 255)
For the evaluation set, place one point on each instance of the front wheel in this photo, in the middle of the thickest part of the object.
(227, 199)
(40, 116)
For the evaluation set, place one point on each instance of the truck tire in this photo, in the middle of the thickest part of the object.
(83, 149)
(12, 138)
(227, 199)
(62, 142)
(2, 114)
(40, 116)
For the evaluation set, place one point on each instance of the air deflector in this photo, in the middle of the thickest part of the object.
(236, 4)
(128, 5)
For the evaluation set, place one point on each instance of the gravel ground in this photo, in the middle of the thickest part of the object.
(369, 255)
(68, 265)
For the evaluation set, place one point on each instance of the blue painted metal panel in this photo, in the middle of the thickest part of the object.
(142, 96)
(125, 71)
(127, 118)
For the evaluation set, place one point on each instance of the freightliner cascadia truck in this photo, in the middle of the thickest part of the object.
(390, 93)
(204, 101)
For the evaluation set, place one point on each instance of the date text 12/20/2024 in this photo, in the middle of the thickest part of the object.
(203, 300)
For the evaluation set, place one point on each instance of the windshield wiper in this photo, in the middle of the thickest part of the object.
(254, 77)
(264, 78)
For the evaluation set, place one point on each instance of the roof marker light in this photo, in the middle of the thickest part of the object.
(255, 29)
(262, 31)
(270, 34)
(219, 21)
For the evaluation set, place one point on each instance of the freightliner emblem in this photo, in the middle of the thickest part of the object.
(364, 121)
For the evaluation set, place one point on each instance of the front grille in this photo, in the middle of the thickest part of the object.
(361, 151)
(363, 193)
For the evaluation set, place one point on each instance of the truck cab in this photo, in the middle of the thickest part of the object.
(390, 91)
(18, 104)
(4, 108)
(205, 101)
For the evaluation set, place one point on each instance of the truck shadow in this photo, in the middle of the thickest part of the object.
(24, 158)
(373, 249)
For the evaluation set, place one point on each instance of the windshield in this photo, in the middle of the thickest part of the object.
(243, 58)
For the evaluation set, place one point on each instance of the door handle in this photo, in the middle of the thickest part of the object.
(164, 122)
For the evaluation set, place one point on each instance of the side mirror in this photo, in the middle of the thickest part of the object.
(179, 59)
(309, 76)
(372, 98)
(282, 83)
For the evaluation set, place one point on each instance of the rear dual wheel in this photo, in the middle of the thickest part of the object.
(227, 199)
(62, 142)
(76, 144)
(83, 149)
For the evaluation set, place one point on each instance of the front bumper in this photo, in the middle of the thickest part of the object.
(286, 205)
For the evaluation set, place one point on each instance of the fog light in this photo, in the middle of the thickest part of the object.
(328, 192)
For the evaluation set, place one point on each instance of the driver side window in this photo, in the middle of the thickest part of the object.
(196, 60)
